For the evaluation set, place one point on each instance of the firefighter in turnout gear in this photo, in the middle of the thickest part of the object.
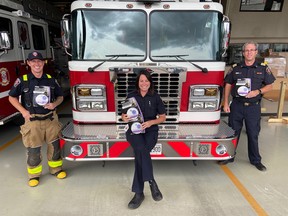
(40, 95)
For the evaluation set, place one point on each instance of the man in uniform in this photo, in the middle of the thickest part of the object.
(247, 82)
(40, 95)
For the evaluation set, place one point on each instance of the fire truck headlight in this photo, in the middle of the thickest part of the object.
(85, 91)
(204, 91)
(204, 97)
(90, 98)
(211, 105)
(211, 92)
(84, 105)
(198, 92)
(221, 150)
(99, 105)
(97, 92)
(76, 150)
(197, 105)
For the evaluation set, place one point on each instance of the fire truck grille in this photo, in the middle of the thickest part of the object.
(168, 85)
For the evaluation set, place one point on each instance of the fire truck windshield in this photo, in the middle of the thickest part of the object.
(102, 33)
(193, 33)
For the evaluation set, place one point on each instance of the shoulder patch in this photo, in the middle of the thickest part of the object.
(230, 70)
(17, 82)
(268, 70)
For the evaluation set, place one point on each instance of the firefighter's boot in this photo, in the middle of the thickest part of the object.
(60, 174)
(34, 166)
(33, 182)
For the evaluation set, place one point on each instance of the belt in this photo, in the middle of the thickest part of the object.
(42, 118)
(248, 103)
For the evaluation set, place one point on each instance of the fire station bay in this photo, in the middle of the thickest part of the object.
(143, 107)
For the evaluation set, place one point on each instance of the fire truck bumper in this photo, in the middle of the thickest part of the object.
(175, 142)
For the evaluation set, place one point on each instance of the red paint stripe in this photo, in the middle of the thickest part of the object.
(157, 156)
(181, 148)
(117, 149)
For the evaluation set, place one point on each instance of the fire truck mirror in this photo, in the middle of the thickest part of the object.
(4, 41)
(65, 32)
(226, 32)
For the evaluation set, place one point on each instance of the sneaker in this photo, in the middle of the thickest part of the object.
(60, 174)
(33, 182)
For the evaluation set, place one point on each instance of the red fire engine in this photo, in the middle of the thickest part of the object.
(180, 42)
(20, 34)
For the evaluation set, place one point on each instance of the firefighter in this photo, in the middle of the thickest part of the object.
(153, 111)
(247, 82)
(40, 95)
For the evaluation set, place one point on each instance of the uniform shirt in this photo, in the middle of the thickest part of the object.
(151, 105)
(260, 75)
(18, 87)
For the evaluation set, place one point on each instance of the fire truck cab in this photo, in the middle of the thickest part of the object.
(20, 34)
(181, 43)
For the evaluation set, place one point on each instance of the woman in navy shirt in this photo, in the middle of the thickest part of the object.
(153, 111)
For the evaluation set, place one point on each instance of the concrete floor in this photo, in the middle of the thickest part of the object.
(206, 189)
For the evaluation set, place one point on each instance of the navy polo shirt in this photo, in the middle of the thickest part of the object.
(260, 75)
(151, 105)
(18, 87)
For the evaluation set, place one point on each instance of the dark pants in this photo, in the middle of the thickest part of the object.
(142, 144)
(251, 115)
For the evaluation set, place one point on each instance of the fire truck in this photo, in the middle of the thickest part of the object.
(181, 42)
(20, 34)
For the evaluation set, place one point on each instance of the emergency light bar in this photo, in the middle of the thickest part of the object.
(21, 13)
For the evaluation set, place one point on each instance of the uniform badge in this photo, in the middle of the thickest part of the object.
(17, 82)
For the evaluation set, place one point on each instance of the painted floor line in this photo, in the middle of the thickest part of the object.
(2, 147)
(255, 205)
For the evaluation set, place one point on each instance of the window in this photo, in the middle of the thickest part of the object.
(117, 35)
(23, 35)
(261, 5)
(195, 35)
(6, 26)
(38, 37)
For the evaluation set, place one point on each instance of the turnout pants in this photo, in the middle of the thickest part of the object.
(142, 144)
(251, 115)
(34, 135)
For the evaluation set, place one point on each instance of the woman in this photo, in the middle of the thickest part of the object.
(153, 111)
